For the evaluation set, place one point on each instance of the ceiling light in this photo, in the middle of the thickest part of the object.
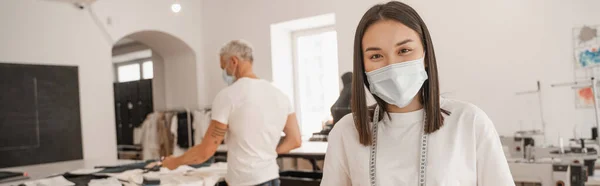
(176, 7)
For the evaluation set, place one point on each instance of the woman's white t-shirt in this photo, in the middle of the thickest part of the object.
(466, 151)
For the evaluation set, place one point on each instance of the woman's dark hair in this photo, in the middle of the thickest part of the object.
(430, 92)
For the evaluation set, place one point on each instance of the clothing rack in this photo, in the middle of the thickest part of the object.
(189, 118)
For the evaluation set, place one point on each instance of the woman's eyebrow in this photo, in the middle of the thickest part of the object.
(404, 42)
(397, 44)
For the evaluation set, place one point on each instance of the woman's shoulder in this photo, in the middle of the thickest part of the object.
(344, 128)
(465, 115)
(460, 108)
(344, 125)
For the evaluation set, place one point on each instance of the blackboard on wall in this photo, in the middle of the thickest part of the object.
(39, 114)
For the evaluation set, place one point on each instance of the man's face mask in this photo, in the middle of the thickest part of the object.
(229, 79)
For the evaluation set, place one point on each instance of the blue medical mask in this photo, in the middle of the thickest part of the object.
(229, 79)
(398, 83)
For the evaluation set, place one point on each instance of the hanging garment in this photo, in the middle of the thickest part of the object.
(165, 138)
(177, 151)
(183, 127)
(200, 125)
(149, 137)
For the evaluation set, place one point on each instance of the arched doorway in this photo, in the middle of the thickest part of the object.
(153, 71)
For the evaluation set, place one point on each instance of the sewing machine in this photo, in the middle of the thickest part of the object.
(515, 145)
(548, 166)
(547, 173)
(570, 155)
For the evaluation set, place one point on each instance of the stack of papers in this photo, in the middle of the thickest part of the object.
(105, 182)
(54, 181)
(182, 176)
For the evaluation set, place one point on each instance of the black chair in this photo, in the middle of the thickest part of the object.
(300, 178)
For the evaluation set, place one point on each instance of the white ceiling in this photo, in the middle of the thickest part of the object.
(142, 54)
(77, 1)
(124, 41)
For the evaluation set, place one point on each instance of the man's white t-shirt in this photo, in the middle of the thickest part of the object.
(256, 112)
(466, 151)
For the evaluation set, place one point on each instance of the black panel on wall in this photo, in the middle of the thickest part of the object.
(39, 114)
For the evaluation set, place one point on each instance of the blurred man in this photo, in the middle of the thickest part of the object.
(253, 113)
(341, 107)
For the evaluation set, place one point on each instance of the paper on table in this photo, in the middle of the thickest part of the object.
(54, 181)
(180, 179)
(85, 171)
(105, 182)
(209, 178)
(132, 176)
(180, 169)
(212, 174)
(183, 175)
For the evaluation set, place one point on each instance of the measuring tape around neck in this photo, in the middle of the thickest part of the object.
(373, 152)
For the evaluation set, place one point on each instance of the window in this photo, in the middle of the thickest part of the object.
(148, 71)
(129, 72)
(134, 71)
(316, 80)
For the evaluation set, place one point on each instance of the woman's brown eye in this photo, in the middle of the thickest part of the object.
(403, 51)
(376, 56)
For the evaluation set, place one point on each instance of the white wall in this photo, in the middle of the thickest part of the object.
(249, 20)
(44, 32)
(177, 76)
(487, 51)
(347, 18)
(158, 82)
(179, 68)
(50, 32)
(128, 17)
(128, 48)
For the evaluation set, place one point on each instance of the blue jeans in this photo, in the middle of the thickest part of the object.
(273, 182)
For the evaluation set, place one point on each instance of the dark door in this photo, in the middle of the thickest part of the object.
(133, 102)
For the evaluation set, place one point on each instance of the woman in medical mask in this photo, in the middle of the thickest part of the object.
(411, 136)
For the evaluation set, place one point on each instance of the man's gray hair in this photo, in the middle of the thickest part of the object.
(238, 48)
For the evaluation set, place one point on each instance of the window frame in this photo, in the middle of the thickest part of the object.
(139, 61)
(295, 62)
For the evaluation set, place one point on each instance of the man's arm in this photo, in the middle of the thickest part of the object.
(292, 138)
(200, 153)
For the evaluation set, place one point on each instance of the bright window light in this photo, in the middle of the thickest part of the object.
(129, 72)
(148, 70)
(317, 81)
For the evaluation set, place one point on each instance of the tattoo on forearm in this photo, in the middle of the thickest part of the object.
(217, 132)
